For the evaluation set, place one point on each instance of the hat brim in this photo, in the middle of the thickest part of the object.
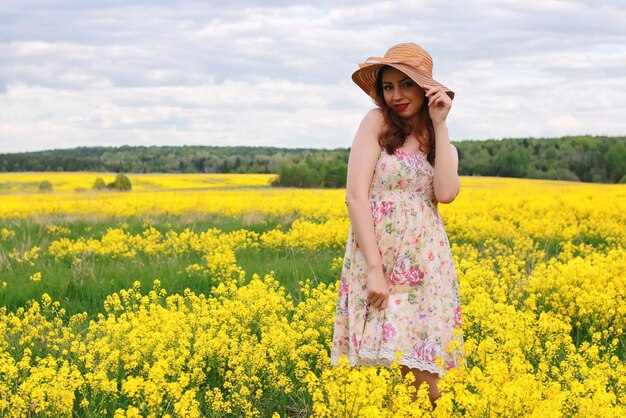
(365, 78)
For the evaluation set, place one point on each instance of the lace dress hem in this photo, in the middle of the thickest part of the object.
(384, 358)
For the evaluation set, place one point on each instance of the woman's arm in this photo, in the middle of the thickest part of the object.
(446, 183)
(361, 164)
(364, 154)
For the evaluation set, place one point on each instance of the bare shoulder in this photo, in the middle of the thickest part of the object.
(374, 117)
(366, 138)
(376, 112)
(364, 155)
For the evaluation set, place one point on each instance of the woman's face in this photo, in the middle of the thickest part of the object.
(401, 93)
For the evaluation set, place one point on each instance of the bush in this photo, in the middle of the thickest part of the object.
(336, 175)
(615, 160)
(99, 184)
(45, 186)
(121, 183)
(311, 173)
(297, 175)
(565, 174)
(535, 173)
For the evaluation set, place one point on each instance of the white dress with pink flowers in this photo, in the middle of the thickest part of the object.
(423, 316)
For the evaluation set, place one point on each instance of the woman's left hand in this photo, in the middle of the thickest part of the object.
(439, 104)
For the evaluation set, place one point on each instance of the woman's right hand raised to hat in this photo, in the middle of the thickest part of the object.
(377, 288)
(439, 104)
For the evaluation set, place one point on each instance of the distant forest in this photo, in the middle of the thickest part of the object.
(597, 159)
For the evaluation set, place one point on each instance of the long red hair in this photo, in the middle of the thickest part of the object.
(397, 128)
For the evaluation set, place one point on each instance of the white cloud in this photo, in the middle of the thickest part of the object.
(262, 73)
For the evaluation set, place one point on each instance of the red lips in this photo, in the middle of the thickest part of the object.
(401, 107)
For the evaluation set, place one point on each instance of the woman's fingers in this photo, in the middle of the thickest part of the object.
(437, 98)
(375, 300)
(378, 301)
(440, 103)
(431, 90)
(435, 95)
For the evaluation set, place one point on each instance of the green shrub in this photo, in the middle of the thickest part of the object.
(45, 186)
(121, 183)
(311, 173)
(99, 184)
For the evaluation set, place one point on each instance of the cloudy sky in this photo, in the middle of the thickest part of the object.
(277, 73)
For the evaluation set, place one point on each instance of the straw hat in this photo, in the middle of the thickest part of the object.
(409, 58)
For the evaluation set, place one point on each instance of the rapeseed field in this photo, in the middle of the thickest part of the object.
(201, 295)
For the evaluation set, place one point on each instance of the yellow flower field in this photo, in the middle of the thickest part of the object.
(542, 275)
(83, 181)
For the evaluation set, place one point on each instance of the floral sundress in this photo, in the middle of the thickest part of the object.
(423, 317)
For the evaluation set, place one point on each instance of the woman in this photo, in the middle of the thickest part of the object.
(398, 287)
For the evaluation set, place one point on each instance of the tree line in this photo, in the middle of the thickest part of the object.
(598, 159)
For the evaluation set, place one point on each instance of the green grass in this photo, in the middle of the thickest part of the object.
(83, 286)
